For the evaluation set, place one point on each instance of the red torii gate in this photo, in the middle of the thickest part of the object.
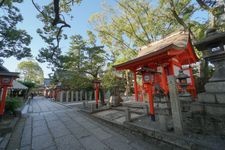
(6, 81)
(162, 58)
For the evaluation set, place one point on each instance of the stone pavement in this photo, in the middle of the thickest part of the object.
(49, 125)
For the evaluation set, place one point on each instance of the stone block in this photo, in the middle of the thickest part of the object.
(215, 109)
(162, 122)
(41, 142)
(206, 98)
(68, 142)
(197, 108)
(215, 87)
(220, 98)
(165, 111)
(162, 105)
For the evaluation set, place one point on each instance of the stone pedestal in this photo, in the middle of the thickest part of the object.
(163, 111)
(208, 114)
(185, 102)
(215, 93)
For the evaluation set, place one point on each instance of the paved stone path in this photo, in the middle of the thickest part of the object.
(51, 126)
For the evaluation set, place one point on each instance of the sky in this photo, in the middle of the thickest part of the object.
(79, 25)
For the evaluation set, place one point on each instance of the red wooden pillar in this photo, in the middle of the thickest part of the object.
(151, 103)
(164, 80)
(135, 86)
(3, 99)
(192, 82)
(141, 93)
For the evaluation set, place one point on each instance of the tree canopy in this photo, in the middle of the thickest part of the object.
(83, 63)
(13, 41)
(30, 71)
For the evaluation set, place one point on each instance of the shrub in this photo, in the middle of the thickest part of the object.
(12, 104)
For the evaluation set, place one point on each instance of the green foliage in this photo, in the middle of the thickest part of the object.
(12, 104)
(13, 41)
(111, 80)
(30, 71)
(83, 63)
(130, 25)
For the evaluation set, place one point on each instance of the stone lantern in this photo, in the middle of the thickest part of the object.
(212, 48)
(209, 111)
(96, 87)
(182, 77)
(6, 79)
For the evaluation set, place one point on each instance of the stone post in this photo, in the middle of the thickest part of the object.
(81, 95)
(162, 121)
(67, 96)
(127, 114)
(84, 104)
(72, 96)
(85, 95)
(77, 95)
(90, 95)
(175, 106)
(61, 96)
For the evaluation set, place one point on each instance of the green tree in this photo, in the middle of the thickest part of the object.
(135, 23)
(85, 61)
(30, 71)
(13, 41)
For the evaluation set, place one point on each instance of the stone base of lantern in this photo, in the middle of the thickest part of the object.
(208, 113)
(215, 93)
(215, 87)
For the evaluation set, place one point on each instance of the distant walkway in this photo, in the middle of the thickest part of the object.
(52, 126)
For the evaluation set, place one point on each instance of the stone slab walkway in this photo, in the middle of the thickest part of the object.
(49, 125)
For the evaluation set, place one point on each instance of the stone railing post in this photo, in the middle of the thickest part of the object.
(127, 114)
(61, 96)
(85, 95)
(67, 96)
(72, 96)
(81, 95)
(76, 95)
(90, 96)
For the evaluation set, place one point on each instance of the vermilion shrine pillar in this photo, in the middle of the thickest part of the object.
(148, 85)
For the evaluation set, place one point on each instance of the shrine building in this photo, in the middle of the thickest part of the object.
(160, 59)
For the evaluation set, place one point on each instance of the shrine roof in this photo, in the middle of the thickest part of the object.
(177, 42)
(177, 39)
(5, 72)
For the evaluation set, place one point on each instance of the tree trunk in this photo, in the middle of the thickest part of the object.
(128, 84)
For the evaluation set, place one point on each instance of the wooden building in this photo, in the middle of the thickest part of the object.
(159, 59)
